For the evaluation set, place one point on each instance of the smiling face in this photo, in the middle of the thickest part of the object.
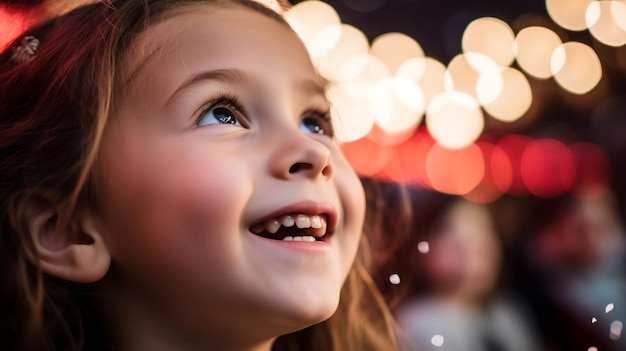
(230, 215)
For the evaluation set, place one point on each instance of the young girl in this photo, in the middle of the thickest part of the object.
(169, 180)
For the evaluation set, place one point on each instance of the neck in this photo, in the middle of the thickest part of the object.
(138, 326)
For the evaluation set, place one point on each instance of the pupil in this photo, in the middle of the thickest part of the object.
(315, 128)
(223, 115)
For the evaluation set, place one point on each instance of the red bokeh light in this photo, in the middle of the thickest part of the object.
(366, 157)
(513, 147)
(498, 174)
(548, 168)
(594, 170)
(455, 171)
(12, 24)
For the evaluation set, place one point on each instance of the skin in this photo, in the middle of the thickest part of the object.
(175, 200)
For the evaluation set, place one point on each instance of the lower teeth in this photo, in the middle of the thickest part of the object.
(299, 238)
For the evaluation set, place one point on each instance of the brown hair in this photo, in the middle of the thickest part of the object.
(53, 112)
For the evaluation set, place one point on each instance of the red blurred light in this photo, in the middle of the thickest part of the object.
(455, 171)
(548, 168)
(366, 157)
(12, 24)
(594, 170)
(407, 159)
(513, 147)
(498, 175)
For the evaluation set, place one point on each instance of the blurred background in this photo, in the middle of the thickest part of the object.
(503, 126)
(506, 124)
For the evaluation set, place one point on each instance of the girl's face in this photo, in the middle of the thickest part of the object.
(222, 143)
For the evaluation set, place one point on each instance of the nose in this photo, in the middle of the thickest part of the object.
(300, 155)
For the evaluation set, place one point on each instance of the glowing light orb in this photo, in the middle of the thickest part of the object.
(569, 14)
(394, 49)
(423, 247)
(512, 100)
(454, 119)
(352, 42)
(397, 104)
(317, 24)
(492, 37)
(437, 340)
(601, 19)
(428, 72)
(534, 47)
(576, 67)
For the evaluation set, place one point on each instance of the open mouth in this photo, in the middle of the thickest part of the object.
(293, 227)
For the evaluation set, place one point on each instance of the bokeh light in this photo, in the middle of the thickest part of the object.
(513, 145)
(455, 171)
(12, 23)
(514, 98)
(497, 177)
(548, 168)
(463, 71)
(454, 119)
(491, 37)
(394, 49)
(350, 112)
(407, 166)
(397, 104)
(352, 42)
(594, 171)
(600, 18)
(366, 157)
(317, 23)
(534, 47)
(427, 72)
(576, 67)
(569, 14)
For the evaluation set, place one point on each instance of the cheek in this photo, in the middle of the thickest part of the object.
(152, 211)
(352, 198)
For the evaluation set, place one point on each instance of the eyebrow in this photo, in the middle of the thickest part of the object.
(308, 86)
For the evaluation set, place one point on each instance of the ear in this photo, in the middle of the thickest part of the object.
(72, 251)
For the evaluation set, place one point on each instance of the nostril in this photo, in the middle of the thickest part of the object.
(297, 167)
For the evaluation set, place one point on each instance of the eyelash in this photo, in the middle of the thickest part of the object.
(323, 117)
(232, 102)
(224, 100)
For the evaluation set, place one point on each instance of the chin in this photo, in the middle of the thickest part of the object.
(304, 315)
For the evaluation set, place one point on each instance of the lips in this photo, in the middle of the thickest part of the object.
(293, 227)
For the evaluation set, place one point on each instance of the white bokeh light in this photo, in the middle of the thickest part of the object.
(454, 119)
(534, 47)
(428, 72)
(569, 14)
(394, 49)
(512, 100)
(491, 37)
(600, 18)
(397, 104)
(576, 67)
(351, 114)
(352, 42)
(317, 23)
(437, 340)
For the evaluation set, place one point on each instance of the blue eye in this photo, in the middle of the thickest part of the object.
(217, 115)
(317, 125)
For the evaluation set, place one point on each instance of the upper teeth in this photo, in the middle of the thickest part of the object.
(301, 221)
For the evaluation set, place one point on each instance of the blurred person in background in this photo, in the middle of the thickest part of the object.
(461, 305)
(574, 261)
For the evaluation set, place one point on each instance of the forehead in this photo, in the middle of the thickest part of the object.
(190, 33)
